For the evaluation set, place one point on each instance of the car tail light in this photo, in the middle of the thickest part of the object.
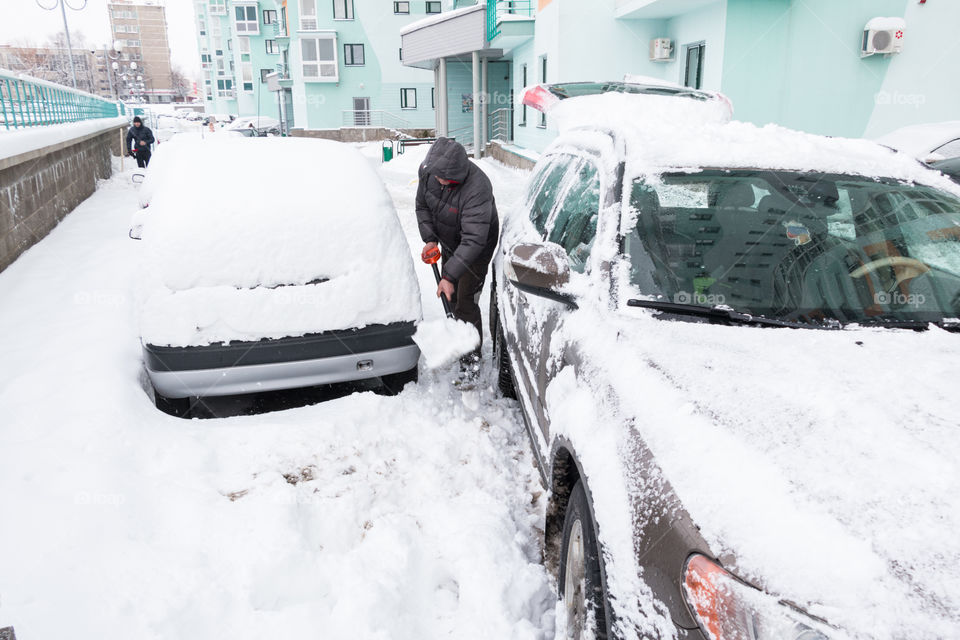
(728, 609)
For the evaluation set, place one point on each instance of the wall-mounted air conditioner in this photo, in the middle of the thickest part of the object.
(883, 35)
(661, 50)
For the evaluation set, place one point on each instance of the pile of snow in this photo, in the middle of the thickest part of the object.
(443, 341)
(614, 109)
(17, 141)
(235, 260)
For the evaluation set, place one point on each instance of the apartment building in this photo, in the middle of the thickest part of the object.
(140, 28)
(804, 64)
(314, 64)
(53, 65)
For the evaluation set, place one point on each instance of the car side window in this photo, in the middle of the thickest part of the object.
(548, 191)
(574, 225)
(949, 150)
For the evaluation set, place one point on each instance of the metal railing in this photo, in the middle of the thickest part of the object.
(373, 118)
(498, 10)
(31, 102)
(500, 124)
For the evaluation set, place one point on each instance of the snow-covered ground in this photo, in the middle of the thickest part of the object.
(364, 516)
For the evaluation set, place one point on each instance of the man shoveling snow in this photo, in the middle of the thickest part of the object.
(456, 209)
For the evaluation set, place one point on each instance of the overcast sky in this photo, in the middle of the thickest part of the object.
(25, 21)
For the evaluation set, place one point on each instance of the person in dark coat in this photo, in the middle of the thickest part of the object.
(456, 209)
(139, 139)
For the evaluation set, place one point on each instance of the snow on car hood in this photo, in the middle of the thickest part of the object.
(821, 465)
(239, 229)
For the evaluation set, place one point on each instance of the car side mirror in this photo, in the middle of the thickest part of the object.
(540, 269)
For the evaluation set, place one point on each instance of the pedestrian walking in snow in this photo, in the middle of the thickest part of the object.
(139, 139)
(456, 209)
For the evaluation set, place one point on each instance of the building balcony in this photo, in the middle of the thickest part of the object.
(510, 23)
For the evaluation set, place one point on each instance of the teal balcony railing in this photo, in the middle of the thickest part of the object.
(29, 102)
(500, 10)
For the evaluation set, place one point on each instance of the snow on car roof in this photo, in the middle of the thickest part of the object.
(920, 139)
(305, 223)
(677, 135)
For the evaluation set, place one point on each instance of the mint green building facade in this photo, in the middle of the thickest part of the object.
(314, 64)
(797, 63)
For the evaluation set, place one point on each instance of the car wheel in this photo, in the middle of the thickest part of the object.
(179, 407)
(501, 358)
(581, 586)
(395, 382)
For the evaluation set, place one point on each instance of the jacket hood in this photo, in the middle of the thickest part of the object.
(448, 160)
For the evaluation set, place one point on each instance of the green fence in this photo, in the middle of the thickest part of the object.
(29, 102)
(498, 10)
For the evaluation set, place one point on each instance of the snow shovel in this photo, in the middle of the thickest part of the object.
(432, 257)
(444, 341)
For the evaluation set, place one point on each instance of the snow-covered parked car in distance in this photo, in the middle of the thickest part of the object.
(254, 285)
(735, 351)
(928, 143)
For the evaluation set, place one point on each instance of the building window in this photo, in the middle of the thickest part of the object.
(523, 84)
(225, 87)
(271, 46)
(408, 98)
(308, 15)
(218, 7)
(318, 57)
(401, 7)
(543, 78)
(269, 16)
(433, 7)
(244, 45)
(264, 73)
(693, 72)
(246, 76)
(343, 9)
(353, 55)
(229, 44)
(246, 19)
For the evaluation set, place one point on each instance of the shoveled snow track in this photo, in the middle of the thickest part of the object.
(363, 517)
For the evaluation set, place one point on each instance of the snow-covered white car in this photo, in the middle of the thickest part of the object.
(253, 284)
(735, 350)
(929, 143)
(255, 126)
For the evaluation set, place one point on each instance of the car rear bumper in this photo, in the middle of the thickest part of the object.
(286, 363)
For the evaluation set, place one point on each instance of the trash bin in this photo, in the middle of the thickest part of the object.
(387, 150)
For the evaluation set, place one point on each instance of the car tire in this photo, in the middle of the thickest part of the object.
(395, 382)
(501, 359)
(179, 407)
(582, 595)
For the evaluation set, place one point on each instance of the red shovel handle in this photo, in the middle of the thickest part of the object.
(431, 256)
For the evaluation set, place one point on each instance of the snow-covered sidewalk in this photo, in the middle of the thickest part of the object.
(363, 517)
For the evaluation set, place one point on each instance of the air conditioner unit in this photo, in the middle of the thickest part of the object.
(883, 35)
(661, 50)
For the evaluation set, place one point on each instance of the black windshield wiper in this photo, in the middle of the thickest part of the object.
(716, 313)
(914, 325)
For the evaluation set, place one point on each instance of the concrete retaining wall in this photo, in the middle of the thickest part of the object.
(506, 156)
(361, 134)
(39, 188)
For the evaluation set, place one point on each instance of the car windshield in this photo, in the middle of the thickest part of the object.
(803, 247)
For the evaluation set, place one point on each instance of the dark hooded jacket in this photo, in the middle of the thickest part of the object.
(137, 134)
(461, 217)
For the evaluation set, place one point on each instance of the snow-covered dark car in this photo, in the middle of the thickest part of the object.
(734, 348)
(255, 285)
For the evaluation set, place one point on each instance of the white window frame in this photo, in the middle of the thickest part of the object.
(405, 101)
(225, 93)
(243, 44)
(308, 21)
(218, 7)
(334, 63)
(246, 71)
(248, 26)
